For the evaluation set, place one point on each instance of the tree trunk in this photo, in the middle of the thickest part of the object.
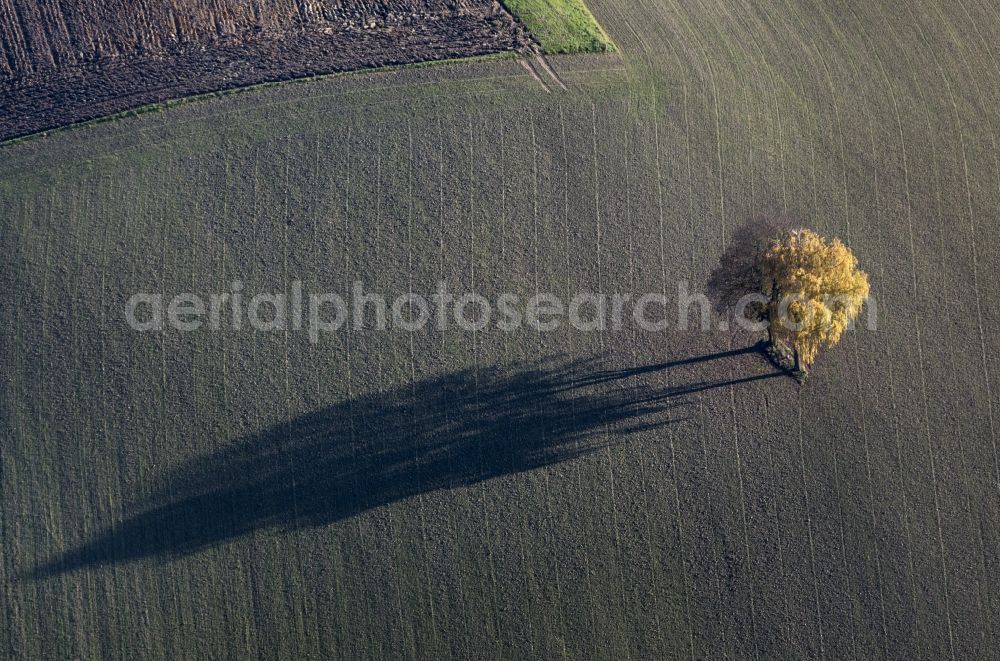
(771, 309)
(798, 363)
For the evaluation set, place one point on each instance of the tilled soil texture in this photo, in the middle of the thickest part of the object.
(70, 61)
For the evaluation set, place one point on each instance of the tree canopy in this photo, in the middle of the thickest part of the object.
(814, 289)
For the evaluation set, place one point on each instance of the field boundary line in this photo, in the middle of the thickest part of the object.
(470, 95)
(265, 88)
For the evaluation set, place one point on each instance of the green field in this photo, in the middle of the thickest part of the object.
(561, 26)
(451, 494)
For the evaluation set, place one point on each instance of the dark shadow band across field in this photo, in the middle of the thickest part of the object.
(439, 433)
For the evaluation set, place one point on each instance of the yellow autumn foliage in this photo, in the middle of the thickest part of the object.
(816, 289)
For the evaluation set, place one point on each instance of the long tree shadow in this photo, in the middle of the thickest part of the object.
(439, 433)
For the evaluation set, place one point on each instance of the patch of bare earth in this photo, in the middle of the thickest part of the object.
(66, 61)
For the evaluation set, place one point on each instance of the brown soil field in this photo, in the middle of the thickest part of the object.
(70, 61)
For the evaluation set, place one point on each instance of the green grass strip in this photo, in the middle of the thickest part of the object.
(561, 26)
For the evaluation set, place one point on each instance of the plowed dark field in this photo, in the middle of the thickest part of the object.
(69, 61)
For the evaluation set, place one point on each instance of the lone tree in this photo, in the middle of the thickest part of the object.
(814, 290)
